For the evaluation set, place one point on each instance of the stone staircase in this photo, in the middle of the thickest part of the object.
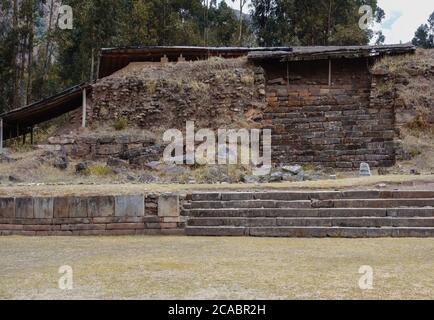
(349, 214)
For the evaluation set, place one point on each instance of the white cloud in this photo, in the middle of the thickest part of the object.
(413, 14)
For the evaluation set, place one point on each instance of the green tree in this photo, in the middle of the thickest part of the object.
(312, 22)
(424, 35)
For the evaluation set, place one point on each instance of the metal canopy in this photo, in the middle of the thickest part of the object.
(20, 121)
(114, 59)
(331, 52)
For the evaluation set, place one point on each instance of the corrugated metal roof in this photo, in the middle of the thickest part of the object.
(114, 59)
(325, 52)
(18, 121)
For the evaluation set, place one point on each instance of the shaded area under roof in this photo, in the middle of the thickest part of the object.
(333, 52)
(114, 59)
(20, 121)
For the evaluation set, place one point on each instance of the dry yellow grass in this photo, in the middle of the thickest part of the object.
(392, 182)
(215, 268)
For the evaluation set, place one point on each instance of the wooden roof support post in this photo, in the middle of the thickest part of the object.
(1, 135)
(330, 72)
(32, 137)
(84, 107)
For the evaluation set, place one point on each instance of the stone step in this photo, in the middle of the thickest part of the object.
(320, 195)
(300, 213)
(250, 204)
(311, 232)
(312, 222)
(335, 203)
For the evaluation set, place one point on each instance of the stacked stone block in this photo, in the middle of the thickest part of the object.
(89, 215)
(338, 125)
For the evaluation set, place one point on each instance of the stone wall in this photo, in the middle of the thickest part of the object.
(214, 94)
(136, 149)
(91, 215)
(339, 126)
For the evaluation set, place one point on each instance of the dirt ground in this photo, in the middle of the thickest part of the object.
(215, 268)
(391, 182)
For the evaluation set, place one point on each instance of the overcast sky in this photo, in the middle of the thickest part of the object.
(403, 17)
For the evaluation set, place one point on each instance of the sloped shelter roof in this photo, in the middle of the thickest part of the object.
(18, 121)
(333, 52)
(114, 59)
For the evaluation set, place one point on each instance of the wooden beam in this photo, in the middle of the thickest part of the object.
(1, 135)
(84, 107)
(32, 140)
(330, 72)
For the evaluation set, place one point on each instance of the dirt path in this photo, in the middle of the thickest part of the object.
(424, 182)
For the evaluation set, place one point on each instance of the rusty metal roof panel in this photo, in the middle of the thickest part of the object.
(325, 52)
(42, 110)
(114, 59)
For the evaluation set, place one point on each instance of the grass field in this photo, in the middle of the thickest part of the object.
(215, 268)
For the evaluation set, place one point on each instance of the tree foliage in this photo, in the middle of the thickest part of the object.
(424, 36)
(312, 22)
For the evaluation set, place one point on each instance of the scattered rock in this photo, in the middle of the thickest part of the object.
(58, 160)
(155, 165)
(293, 169)
(250, 179)
(383, 171)
(14, 178)
(178, 170)
(82, 167)
(62, 140)
(216, 174)
(415, 172)
(61, 163)
(380, 71)
(276, 177)
(116, 162)
(289, 177)
(303, 176)
(147, 178)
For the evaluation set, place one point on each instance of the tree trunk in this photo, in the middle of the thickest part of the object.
(92, 65)
(13, 101)
(240, 35)
(48, 45)
(30, 54)
(326, 42)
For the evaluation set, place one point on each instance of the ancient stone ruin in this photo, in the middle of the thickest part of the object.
(322, 104)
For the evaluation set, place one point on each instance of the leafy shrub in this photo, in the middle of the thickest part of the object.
(121, 124)
(100, 170)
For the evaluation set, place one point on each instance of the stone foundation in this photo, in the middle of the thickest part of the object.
(93, 215)
(335, 125)
(134, 148)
